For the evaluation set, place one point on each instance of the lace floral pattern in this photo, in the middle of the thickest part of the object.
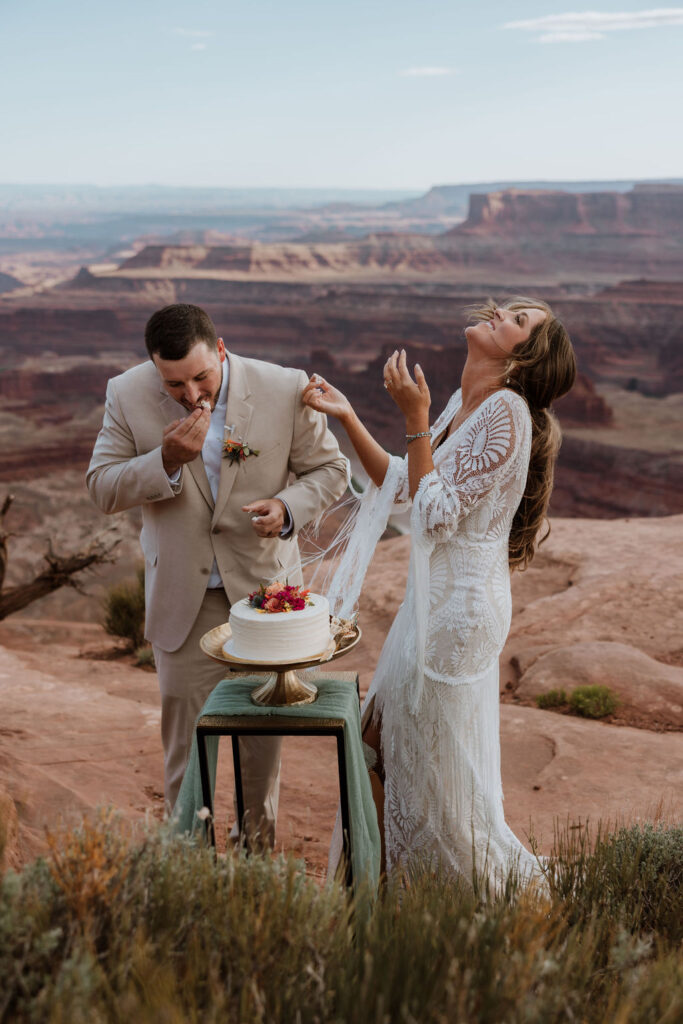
(462, 514)
(436, 684)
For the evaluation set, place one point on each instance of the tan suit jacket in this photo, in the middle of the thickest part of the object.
(183, 531)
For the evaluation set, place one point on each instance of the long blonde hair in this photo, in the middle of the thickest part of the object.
(541, 370)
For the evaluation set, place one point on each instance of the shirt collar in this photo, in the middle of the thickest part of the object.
(222, 399)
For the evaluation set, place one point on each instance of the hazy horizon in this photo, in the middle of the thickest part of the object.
(36, 196)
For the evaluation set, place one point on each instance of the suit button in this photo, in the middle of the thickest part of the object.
(204, 572)
(216, 529)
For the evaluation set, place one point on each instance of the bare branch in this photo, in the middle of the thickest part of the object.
(9, 498)
(59, 573)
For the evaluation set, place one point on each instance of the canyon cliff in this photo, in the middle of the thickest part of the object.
(340, 308)
(646, 210)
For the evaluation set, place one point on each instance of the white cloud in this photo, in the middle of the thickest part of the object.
(193, 33)
(198, 46)
(427, 72)
(579, 27)
(569, 37)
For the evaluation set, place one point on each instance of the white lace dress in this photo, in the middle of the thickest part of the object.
(436, 684)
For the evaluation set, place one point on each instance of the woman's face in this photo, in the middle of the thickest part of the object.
(506, 329)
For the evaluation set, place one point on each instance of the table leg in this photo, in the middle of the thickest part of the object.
(344, 800)
(207, 798)
(239, 793)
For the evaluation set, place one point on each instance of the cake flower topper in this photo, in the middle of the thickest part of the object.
(279, 597)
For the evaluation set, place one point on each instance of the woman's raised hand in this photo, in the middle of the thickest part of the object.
(411, 396)
(322, 397)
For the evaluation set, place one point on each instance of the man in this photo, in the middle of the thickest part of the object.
(213, 527)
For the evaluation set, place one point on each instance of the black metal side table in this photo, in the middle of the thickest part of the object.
(282, 721)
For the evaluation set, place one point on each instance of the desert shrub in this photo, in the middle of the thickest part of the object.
(634, 875)
(593, 701)
(105, 929)
(124, 610)
(551, 699)
(144, 656)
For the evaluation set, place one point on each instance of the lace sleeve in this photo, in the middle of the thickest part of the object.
(401, 486)
(491, 456)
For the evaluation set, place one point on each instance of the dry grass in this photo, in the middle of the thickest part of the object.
(109, 928)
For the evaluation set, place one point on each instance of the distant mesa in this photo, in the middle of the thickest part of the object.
(380, 251)
(454, 200)
(84, 279)
(567, 231)
(205, 257)
(649, 209)
(8, 283)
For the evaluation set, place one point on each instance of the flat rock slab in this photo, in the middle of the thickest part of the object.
(68, 745)
(591, 771)
(641, 683)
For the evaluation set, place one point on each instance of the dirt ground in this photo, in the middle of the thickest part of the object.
(79, 730)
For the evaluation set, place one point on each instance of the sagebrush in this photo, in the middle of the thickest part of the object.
(551, 699)
(593, 701)
(124, 610)
(109, 929)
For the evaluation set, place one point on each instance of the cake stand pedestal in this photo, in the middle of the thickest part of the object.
(283, 687)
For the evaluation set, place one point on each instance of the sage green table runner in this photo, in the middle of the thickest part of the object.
(336, 699)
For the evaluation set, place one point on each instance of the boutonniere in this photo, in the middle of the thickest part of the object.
(237, 451)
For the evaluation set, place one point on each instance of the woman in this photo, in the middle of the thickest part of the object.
(479, 481)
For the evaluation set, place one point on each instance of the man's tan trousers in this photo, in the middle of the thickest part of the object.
(186, 678)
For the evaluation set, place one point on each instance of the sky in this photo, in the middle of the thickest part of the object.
(385, 94)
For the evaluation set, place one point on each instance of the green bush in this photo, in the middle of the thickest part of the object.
(144, 656)
(634, 875)
(105, 929)
(551, 699)
(593, 701)
(124, 610)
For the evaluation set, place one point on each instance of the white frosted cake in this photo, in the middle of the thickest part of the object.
(280, 637)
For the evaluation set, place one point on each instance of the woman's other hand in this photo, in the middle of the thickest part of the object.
(411, 396)
(322, 397)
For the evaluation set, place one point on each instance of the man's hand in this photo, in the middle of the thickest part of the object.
(267, 516)
(183, 439)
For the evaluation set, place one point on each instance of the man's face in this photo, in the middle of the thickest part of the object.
(195, 378)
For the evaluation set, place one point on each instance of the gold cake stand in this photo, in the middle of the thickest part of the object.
(283, 688)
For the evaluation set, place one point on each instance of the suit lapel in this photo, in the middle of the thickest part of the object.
(238, 413)
(170, 410)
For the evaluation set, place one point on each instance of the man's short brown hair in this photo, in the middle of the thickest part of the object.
(172, 331)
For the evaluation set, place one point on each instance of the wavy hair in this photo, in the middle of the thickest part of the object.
(541, 370)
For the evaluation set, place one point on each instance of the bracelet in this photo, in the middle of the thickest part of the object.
(414, 437)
